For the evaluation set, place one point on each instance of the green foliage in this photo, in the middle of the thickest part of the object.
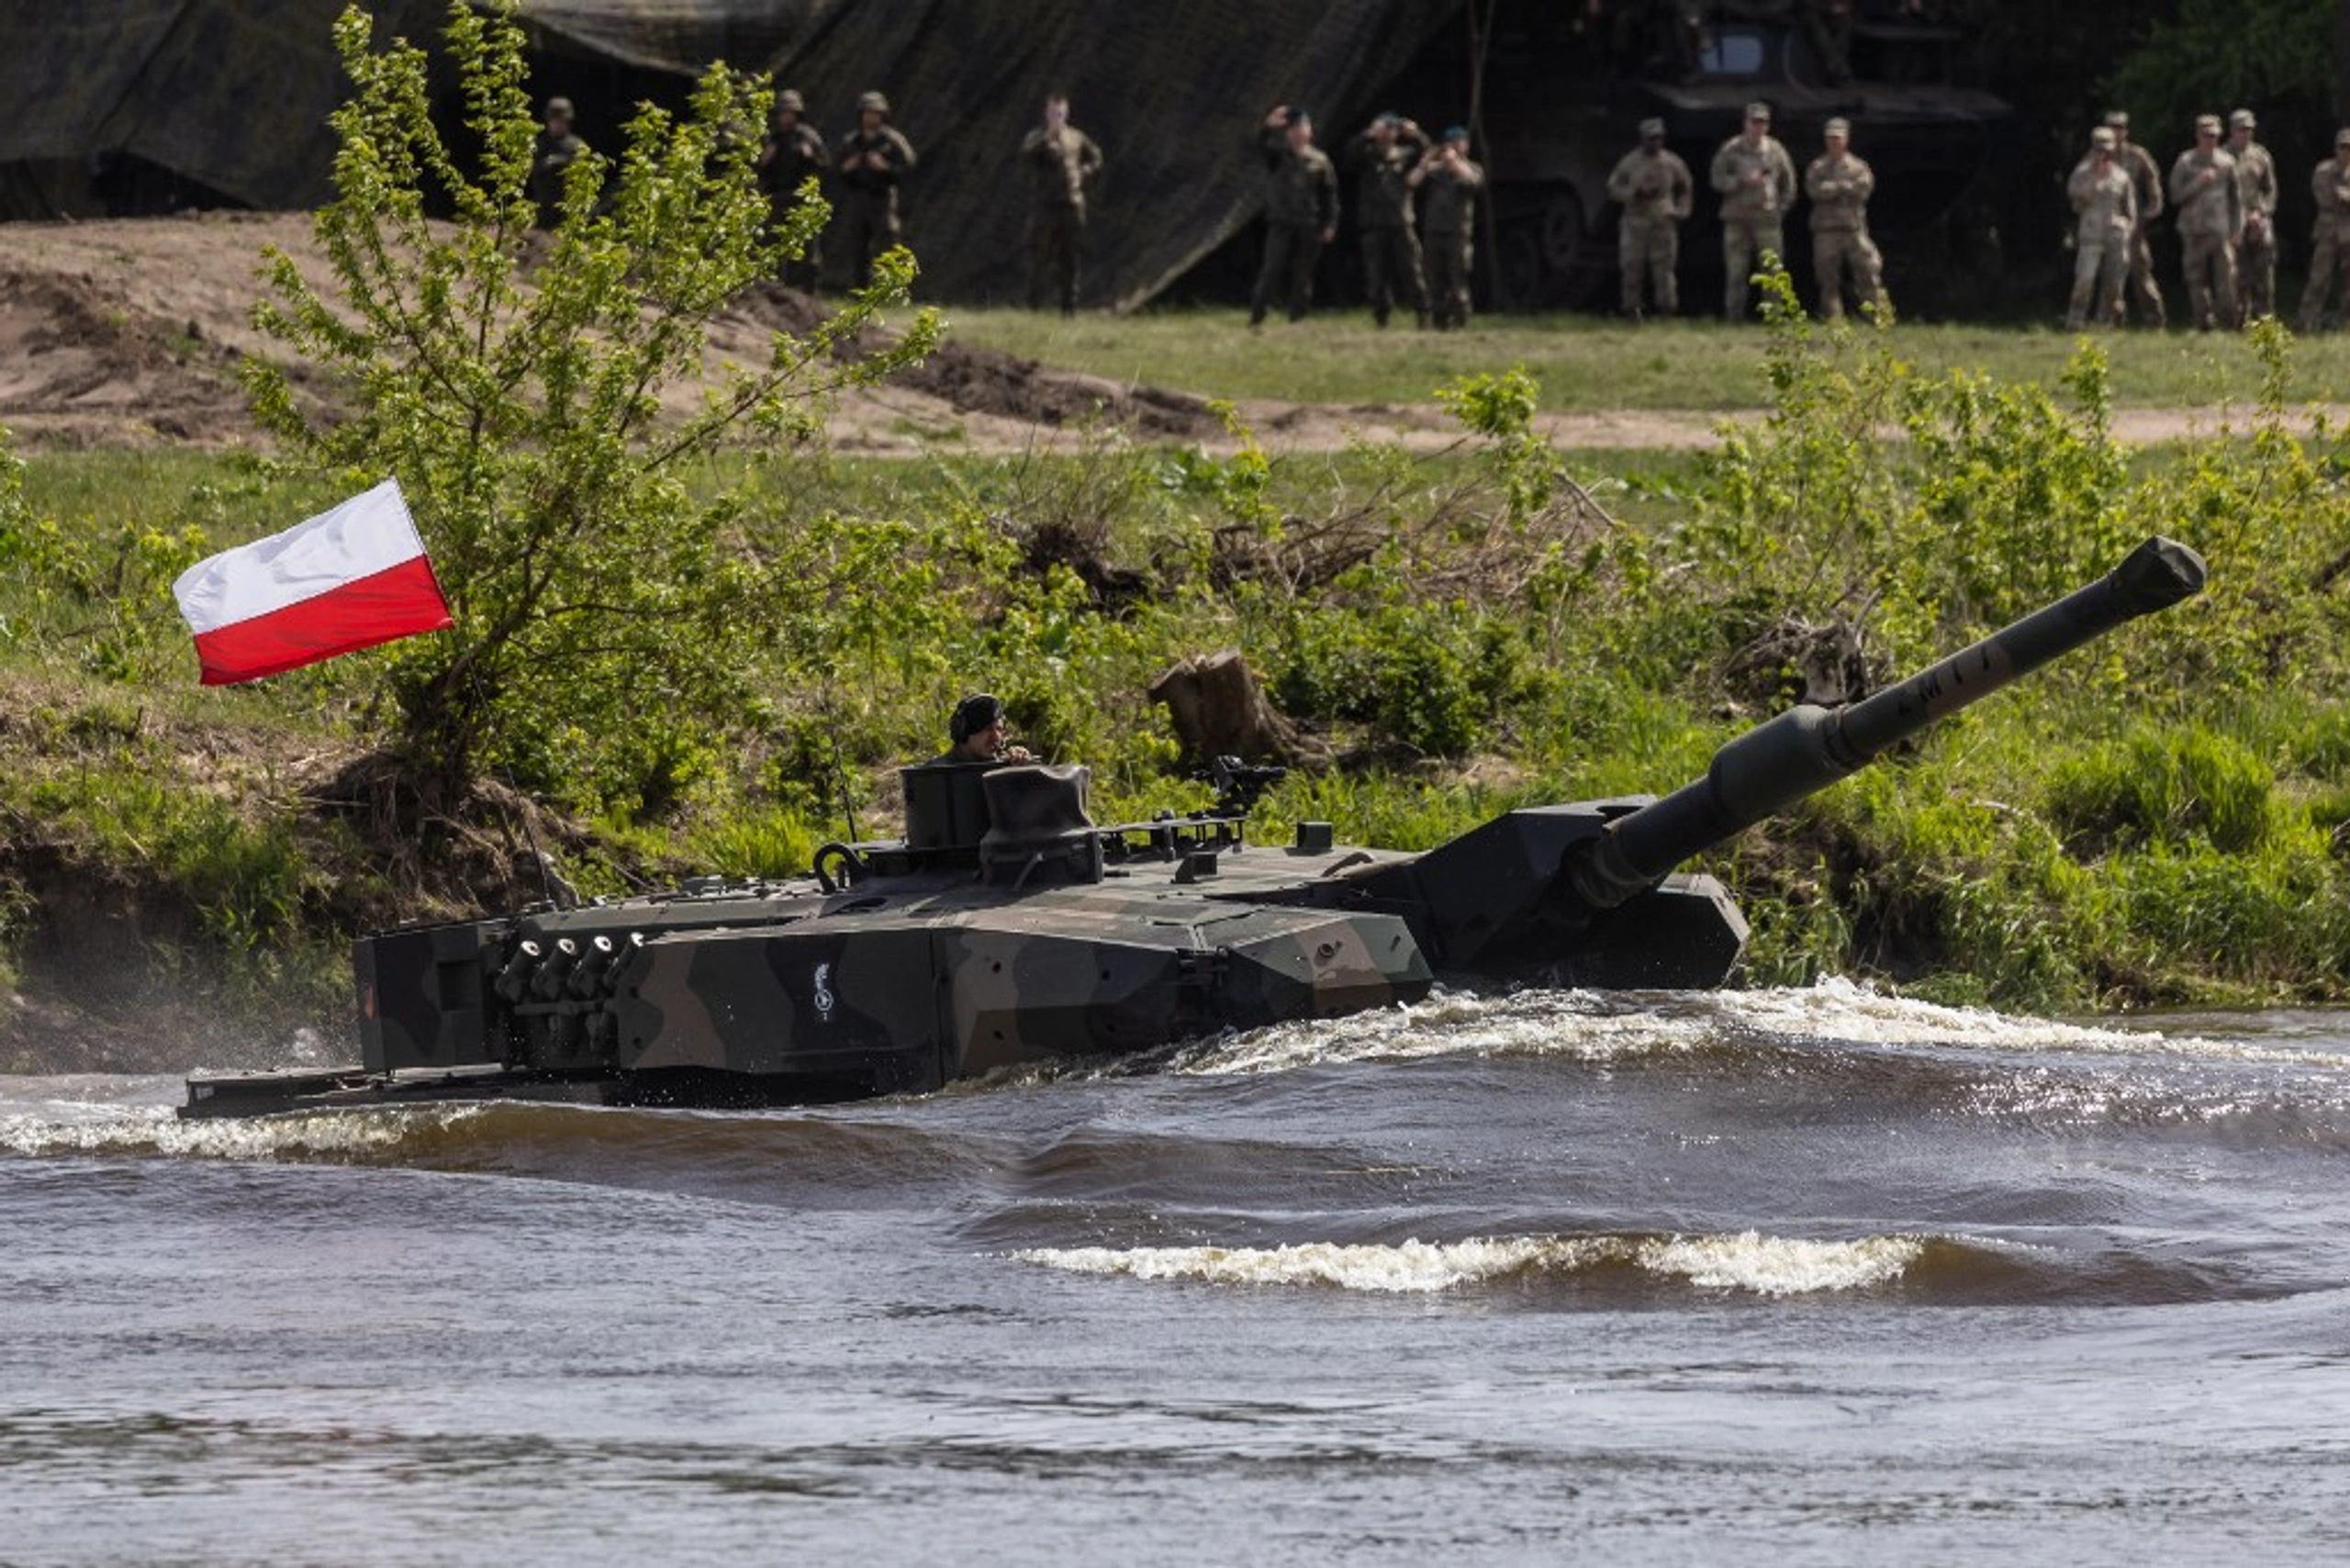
(2163, 788)
(514, 383)
(102, 594)
(2216, 55)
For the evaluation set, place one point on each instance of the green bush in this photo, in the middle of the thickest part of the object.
(2163, 788)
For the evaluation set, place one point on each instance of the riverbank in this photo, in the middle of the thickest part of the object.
(1459, 624)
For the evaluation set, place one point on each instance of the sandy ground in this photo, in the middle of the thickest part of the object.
(128, 332)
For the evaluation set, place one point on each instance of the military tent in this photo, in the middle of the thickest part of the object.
(232, 95)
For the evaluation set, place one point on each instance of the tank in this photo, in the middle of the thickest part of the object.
(1007, 926)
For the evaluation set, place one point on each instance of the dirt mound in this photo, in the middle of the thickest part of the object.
(971, 380)
(80, 366)
(127, 332)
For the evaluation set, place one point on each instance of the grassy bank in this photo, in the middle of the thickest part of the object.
(2155, 822)
(1590, 364)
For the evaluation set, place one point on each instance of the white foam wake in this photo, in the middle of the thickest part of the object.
(1764, 1265)
(67, 1128)
(1602, 1027)
(1578, 1024)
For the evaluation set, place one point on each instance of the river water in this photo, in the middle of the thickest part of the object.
(1785, 1276)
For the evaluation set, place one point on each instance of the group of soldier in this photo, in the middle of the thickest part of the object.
(2223, 190)
(2224, 195)
(861, 172)
(1756, 180)
(1394, 164)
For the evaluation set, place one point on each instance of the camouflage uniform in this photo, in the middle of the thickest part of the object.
(554, 152)
(2146, 183)
(1448, 232)
(2329, 255)
(868, 195)
(1655, 189)
(2256, 193)
(2106, 202)
(1757, 182)
(1301, 206)
(1840, 187)
(790, 155)
(1059, 162)
(1390, 256)
(2203, 192)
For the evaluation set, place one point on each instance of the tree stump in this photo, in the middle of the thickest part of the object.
(1219, 711)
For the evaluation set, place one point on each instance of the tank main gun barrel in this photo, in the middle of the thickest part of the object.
(1808, 748)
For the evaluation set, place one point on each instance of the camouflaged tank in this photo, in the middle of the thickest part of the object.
(1007, 926)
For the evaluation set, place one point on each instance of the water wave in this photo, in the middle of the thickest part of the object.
(1764, 1265)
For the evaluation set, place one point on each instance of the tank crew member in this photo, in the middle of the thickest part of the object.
(1448, 234)
(2330, 251)
(1840, 185)
(1061, 160)
(1301, 212)
(1381, 158)
(871, 159)
(790, 155)
(2203, 192)
(976, 730)
(2146, 183)
(1654, 187)
(2105, 203)
(1757, 182)
(2257, 191)
(556, 149)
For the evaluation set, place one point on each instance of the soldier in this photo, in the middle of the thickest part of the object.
(1840, 185)
(2146, 182)
(1061, 159)
(791, 154)
(2105, 200)
(1301, 212)
(1654, 187)
(556, 149)
(872, 159)
(1757, 182)
(2330, 256)
(2256, 193)
(2210, 215)
(1383, 157)
(1448, 232)
(975, 733)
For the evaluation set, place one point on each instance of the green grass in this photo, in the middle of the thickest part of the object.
(1588, 365)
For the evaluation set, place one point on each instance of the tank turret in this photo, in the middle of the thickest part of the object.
(1008, 925)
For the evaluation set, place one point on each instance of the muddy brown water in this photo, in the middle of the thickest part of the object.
(1787, 1276)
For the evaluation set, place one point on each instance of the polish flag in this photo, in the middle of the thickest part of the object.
(347, 579)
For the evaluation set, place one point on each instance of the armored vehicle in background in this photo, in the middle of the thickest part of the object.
(1561, 93)
(1006, 927)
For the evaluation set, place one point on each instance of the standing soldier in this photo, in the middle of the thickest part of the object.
(2105, 201)
(1447, 233)
(2146, 182)
(555, 150)
(1757, 181)
(1383, 158)
(2211, 217)
(2329, 258)
(873, 159)
(1840, 185)
(1060, 159)
(2257, 191)
(793, 154)
(1301, 212)
(1654, 188)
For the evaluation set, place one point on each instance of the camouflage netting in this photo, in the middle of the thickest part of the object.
(233, 95)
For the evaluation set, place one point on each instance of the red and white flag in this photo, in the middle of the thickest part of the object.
(347, 579)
